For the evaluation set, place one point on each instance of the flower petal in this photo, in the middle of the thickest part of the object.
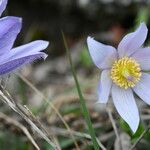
(142, 88)
(104, 87)
(102, 55)
(9, 29)
(126, 106)
(16, 63)
(3, 4)
(142, 56)
(132, 41)
(24, 50)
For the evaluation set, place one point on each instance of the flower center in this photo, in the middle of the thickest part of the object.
(125, 72)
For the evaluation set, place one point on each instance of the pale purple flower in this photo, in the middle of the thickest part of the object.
(123, 73)
(13, 58)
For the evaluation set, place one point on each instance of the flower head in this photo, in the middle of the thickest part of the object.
(13, 58)
(123, 73)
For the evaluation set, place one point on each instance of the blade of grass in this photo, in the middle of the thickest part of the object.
(81, 98)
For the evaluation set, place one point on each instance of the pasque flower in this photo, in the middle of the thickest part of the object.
(123, 73)
(13, 58)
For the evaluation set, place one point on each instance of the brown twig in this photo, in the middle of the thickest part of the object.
(51, 105)
(17, 109)
(64, 132)
(15, 123)
(114, 125)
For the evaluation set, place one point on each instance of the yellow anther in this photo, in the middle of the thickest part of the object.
(125, 72)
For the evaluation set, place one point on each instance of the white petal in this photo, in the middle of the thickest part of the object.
(12, 65)
(24, 50)
(102, 55)
(142, 56)
(104, 87)
(9, 29)
(3, 4)
(142, 88)
(126, 106)
(132, 41)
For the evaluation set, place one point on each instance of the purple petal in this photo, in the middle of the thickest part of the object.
(104, 87)
(132, 41)
(9, 29)
(142, 88)
(142, 56)
(102, 55)
(24, 50)
(17, 63)
(3, 4)
(126, 106)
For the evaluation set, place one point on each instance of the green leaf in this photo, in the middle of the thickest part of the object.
(142, 16)
(85, 58)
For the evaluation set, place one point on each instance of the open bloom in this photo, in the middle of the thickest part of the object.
(13, 58)
(124, 72)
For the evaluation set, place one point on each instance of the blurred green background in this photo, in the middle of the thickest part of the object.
(77, 18)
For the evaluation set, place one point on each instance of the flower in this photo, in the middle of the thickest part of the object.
(13, 58)
(124, 72)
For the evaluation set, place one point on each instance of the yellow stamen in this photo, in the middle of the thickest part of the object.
(125, 72)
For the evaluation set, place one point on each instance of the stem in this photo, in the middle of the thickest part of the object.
(81, 98)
